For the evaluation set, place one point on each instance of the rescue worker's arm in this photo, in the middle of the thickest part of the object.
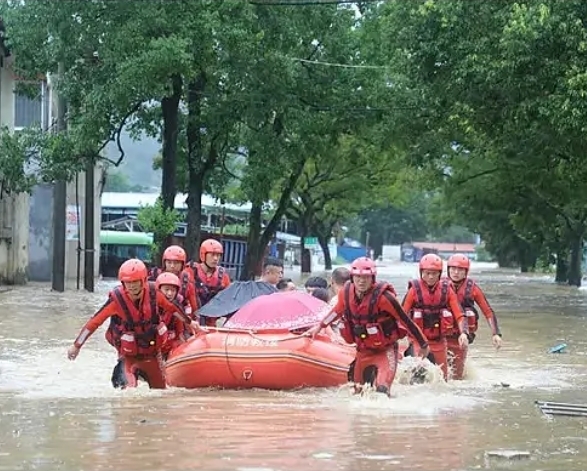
(457, 312)
(409, 300)
(168, 306)
(192, 299)
(335, 313)
(481, 300)
(389, 304)
(225, 283)
(408, 303)
(179, 329)
(108, 310)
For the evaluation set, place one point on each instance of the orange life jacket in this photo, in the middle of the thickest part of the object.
(184, 279)
(137, 332)
(431, 311)
(169, 319)
(364, 324)
(207, 288)
(465, 295)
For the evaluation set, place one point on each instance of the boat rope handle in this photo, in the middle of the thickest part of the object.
(253, 334)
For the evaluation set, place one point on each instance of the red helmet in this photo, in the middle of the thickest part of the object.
(167, 278)
(132, 270)
(459, 260)
(431, 262)
(174, 253)
(210, 246)
(363, 266)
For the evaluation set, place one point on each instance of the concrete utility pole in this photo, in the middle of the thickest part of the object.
(59, 204)
(89, 228)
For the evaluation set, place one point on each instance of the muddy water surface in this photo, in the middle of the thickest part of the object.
(61, 415)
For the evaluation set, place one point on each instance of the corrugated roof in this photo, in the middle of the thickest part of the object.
(136, 200)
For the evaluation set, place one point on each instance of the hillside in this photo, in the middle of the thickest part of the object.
(138, 160)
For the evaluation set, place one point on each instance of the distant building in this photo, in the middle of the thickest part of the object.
(414, 251)
(121, 206)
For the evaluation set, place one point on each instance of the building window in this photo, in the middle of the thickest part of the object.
(30, 106)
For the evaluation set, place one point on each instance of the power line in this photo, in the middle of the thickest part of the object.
(336, 64)
(295, 3)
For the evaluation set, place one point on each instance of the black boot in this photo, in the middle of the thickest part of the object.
(384, 390)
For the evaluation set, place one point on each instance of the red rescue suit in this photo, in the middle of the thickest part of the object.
(374, 322)
(188, 299)
(175, 328)
(469, 294)
(139, 335)
(436, 311)
(430, 312)
(208, 286)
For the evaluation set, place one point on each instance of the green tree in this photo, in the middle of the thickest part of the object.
(295, 112)
(158, 218)
(496, 85)
(118, 182)
(336, 185)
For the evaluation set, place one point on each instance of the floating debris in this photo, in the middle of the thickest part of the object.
(560, 348)
(508, 454)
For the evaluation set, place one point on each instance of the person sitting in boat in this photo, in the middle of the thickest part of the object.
(169, 285)
(374, 321)
(174, 261)
(433, 305)
(208, 276)
(469, 294)
(338, 279)
(315, 282)
(322, 294)
(286, 284)
(272, 271)
(138, 332)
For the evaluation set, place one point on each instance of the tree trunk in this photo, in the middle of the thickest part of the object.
(170, 112)
(194, 217)
(323, 241)
(562, 267)
(575, 274)
(305, 263)
(253, 254)
(196, 169)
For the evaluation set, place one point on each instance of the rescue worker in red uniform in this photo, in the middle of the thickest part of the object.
(138, 332)
(169, 285)
(433, 305)
(469, 294)
(208, 276)
(374, 321)
(174, 261)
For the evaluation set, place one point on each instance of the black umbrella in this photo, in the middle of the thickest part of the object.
(231, 299)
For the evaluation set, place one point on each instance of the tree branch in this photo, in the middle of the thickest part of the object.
(115, 136)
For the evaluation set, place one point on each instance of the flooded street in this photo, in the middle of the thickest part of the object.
(61, 415)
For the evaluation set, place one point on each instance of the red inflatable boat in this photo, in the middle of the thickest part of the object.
(269, 359)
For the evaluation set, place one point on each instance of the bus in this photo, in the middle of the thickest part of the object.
(118, 246)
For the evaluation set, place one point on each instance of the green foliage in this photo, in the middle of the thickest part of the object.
(30, 157)
(118, 182)
(482, 254)
(494, 90)
(160, 221)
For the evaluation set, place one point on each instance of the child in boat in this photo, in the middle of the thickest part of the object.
(169, 284)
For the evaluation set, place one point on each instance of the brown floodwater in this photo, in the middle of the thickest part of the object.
(62, 415)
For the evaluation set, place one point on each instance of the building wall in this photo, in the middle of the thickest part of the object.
(40, 234)
(14, 209)
(29, 111)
